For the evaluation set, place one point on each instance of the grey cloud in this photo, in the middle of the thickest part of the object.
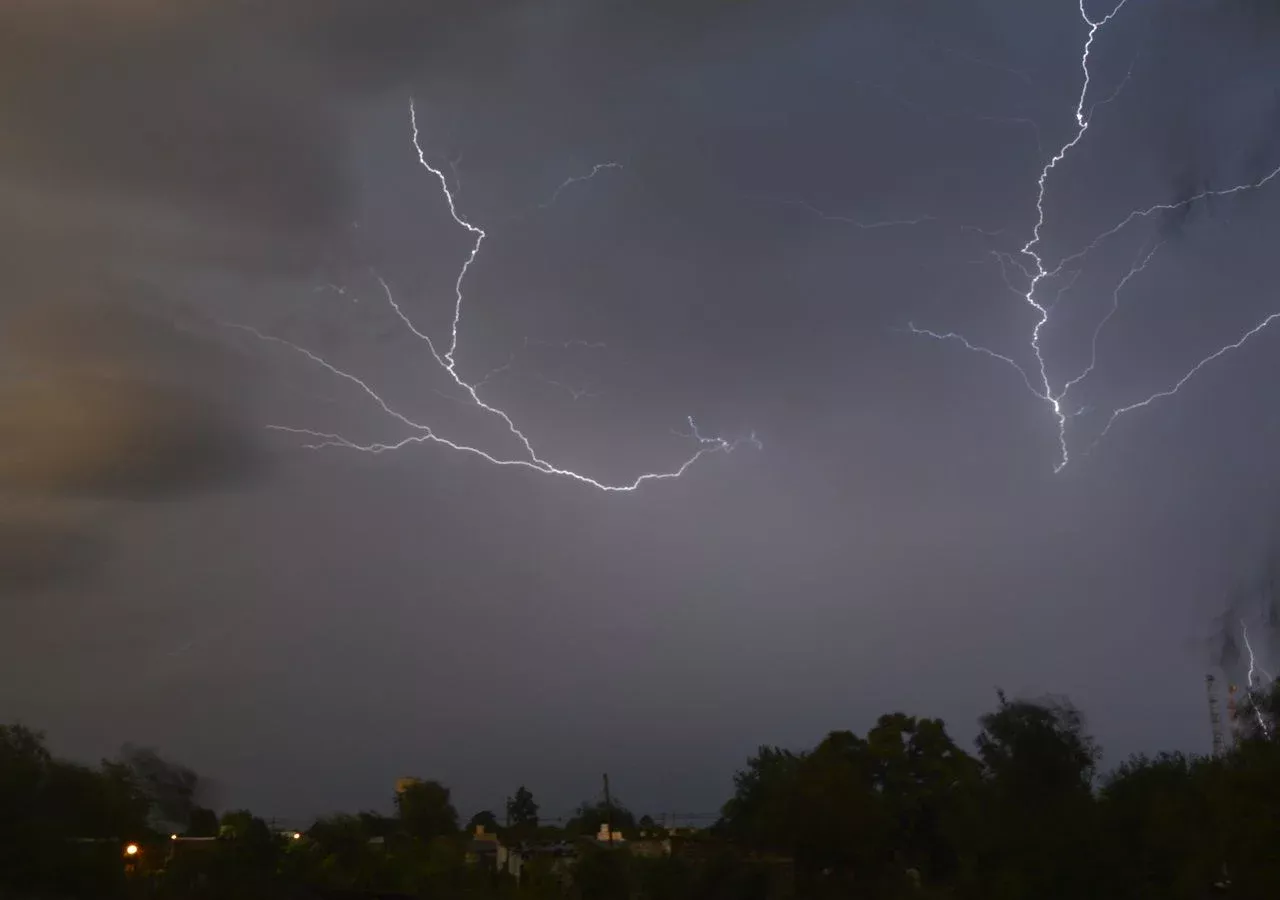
(227, 120)
(225, 141)
(106, 399)
(37, 551)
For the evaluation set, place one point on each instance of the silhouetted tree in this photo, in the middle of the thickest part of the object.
(760, 812)
(922, 781)
(85, 803)
(425, 810)
(343, 855)
(47, 804)
(170, 787)
(899, 813)
(203, 822)
(522, 811)
(247, 860)
(1158, 835)
(1036, 802)
(377, 825)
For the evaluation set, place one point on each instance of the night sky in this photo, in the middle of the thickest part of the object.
(797, 184)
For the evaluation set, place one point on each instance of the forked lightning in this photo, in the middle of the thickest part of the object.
(1036, 273)
(420, 433)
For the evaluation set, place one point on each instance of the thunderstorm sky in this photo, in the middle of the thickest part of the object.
(737, 212)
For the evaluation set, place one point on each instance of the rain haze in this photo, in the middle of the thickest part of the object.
(266, 501)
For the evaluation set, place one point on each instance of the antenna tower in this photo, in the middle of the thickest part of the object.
(1215, 721)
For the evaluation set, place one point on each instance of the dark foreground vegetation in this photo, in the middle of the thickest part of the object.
(902, 812)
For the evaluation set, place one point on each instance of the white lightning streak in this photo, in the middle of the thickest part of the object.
(424, 433)
(462, 273)
(1185, 378)
(1045, 391)
(1137, 267)
(575, 393)
(1166, 207)
(1262, 722)
(1037, 272)
(1244, 631)
(1071, 280)
(595, 170)
(977, 348)
(1082, 125)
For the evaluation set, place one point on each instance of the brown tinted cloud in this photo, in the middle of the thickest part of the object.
(104, 400)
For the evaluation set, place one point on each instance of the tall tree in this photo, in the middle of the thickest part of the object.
(247, 859)
(759, 814)
(426, 811)
(24, 770)
(1038, 746)
(203, 822)
(345, 860)
(922, 780)
(1037, 834)
(171, 787)
(522, 811)
(1159, 837)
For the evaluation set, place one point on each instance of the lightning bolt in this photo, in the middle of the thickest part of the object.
(1036, 272)
(1252, 680)
(1169, 392)
(575, 393)
(569, 182)
(420, 433)
(1028, 249)
(1134, 269)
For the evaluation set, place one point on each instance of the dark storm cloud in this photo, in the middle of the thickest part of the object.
(140, 106)
(143, 134)
(106, 399)
(226, 120)
(228, 115)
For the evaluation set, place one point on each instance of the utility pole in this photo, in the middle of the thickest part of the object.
(608, 809)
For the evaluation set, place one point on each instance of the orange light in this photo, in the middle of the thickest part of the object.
(131, 850)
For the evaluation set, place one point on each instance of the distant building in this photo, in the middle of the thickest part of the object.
(605, 836)
(484, 849)
(555, 858)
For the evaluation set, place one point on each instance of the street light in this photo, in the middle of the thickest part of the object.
(131, 850)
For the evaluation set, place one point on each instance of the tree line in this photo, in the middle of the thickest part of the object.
(900, 812)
